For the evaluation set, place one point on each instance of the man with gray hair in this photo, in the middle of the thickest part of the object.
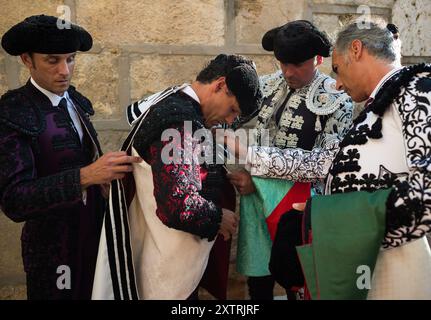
(377, 210)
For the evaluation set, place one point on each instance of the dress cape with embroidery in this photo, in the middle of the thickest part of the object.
(145, 251)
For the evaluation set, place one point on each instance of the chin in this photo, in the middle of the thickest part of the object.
(294, 85)
(359, 99)
(62, 88)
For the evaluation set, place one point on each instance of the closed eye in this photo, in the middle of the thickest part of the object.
(335, 69)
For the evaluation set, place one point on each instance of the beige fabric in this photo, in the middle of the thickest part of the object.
(403, 272)
(169, 263)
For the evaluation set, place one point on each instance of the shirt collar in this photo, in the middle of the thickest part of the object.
(191, 93)
(55, 99)
(385, 78)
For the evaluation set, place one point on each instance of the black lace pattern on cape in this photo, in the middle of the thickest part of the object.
(409, 204)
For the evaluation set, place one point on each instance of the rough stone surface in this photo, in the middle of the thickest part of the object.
(371, 3)
(413, 17)
(24, 73)
(111, 140)
(265, 64)
(332, 24)
(329, 23)
(11, 269)
(255, 17)
(147, 21)
(17, 292)
(16, 11)
(152, 73)
(96, 76)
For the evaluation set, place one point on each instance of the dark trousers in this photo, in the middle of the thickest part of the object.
(262, 288)
(42, 285)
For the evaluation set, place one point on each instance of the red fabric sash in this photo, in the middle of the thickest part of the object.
(299, 192)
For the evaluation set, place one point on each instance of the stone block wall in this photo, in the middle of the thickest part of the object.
(142, 46)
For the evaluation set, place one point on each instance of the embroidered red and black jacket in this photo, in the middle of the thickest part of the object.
(186, 194)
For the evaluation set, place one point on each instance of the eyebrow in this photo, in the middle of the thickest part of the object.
(56, 56)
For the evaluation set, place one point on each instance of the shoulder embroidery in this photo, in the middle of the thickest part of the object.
(322, 97)
(269, 83)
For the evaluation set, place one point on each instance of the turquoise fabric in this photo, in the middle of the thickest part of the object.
(254, 242)
(347, 233)
(306, 257)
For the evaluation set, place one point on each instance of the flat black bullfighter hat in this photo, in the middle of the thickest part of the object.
(296, 41)
(45, 34)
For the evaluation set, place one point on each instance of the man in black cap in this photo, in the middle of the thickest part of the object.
(301, 110)
(173, 228)
(53, 170)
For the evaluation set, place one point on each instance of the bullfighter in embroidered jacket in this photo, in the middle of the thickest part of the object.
(47, 151)
(388, 147)
(158, 237)
(301, 109)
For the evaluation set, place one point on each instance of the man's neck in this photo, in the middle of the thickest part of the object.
(201, 90)
(45, 91)
(378, 69)
(53, 97)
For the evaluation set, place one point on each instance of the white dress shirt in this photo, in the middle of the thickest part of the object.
(55, 100)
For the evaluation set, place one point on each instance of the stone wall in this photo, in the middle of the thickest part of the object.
(142, 46)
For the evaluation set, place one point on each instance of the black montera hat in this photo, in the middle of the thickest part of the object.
(241, 79)
(243, 82)
(45, 34)
(296, 42)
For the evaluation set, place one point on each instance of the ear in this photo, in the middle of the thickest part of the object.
(219, 84)
(356, 48)
(319, 60)
(26, 59)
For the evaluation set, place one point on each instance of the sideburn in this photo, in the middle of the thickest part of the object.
(33, 63)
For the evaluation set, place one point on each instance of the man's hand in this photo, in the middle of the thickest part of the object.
(111, 166)
(229, 224)
(299, 206)
(232, 143)
(242, 181)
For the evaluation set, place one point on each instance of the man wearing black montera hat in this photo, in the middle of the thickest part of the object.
(53, 171)
(302, 110)
(174, 207)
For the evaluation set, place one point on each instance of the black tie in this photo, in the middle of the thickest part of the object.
(63, 106)
(283, 106)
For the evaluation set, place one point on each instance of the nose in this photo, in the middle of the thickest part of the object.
(63, 68)
(287, 70)
(339, 85)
